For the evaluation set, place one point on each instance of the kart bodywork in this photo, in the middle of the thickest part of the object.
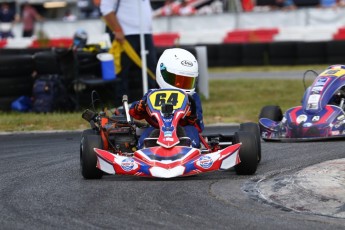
(110, 147)
(321, 115)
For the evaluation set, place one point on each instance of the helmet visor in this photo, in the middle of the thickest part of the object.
(178, 81)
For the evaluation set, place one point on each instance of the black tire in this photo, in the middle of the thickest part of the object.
(88, 159)
(248, 153)
(253, 128)
(272, 112)
(5, 102)
(16, 64)
(16, 86)
(46, 62)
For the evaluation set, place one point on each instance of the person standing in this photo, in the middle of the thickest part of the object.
(29, 17)
(7, 20)
(173, 73)
(328, 3)
(286, 4)
(186, 9)
(123, 19)
(169, 8)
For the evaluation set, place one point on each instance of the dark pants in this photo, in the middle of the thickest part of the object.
(28, 33)
(127, 65)
(4, 35)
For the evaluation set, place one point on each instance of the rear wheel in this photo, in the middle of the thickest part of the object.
(88, 159)
(254, 129)
(248, 153)
(272, 112)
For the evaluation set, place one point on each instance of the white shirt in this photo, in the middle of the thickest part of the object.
(128, 15)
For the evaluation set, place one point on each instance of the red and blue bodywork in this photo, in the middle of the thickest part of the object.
(170, 156)
(320, 116)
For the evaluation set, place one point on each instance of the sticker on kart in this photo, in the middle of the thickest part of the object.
(334, 72)
(174, 97)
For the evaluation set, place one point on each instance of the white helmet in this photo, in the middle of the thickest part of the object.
(178, 69)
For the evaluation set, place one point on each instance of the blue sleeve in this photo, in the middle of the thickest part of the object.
(198, 105)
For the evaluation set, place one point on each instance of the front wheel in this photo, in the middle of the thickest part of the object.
(248, 153)
(88, 158)
(254, 129)
(272, 112)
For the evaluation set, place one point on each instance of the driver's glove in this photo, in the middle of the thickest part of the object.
(191, 119)
(140, 107)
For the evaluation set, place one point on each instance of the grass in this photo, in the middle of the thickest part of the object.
(241, 100)
(266, 68)
(231, 101)
(14, 121)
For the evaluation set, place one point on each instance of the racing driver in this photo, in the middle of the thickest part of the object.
(176, 69)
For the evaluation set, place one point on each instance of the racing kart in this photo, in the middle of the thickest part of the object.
(320, 116)
(110, 146)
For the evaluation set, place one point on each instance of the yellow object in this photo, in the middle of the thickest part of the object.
(117, 48)
(92, 48)
(334, 72)
(175, 97)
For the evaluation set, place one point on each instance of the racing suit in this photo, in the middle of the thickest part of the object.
(192, 123)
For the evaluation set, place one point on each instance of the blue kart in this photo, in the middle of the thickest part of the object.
(321, 115)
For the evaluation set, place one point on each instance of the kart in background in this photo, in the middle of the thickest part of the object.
(109, 147)
(321, 115)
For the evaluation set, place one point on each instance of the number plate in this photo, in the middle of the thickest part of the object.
(174, 97)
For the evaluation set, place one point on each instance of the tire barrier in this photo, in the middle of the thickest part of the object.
(229, 55)
(282, 53)
(5, 102)
(16, 86)
(13, 65)
(275, 53)
(335, 52)
(46, 62)
(255, 54)
(311, 53)
(15, 78)
(17, 66)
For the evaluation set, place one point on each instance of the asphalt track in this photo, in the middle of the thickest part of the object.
(41, 188)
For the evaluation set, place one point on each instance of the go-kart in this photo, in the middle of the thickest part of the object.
(321, 115)
(110, 146)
